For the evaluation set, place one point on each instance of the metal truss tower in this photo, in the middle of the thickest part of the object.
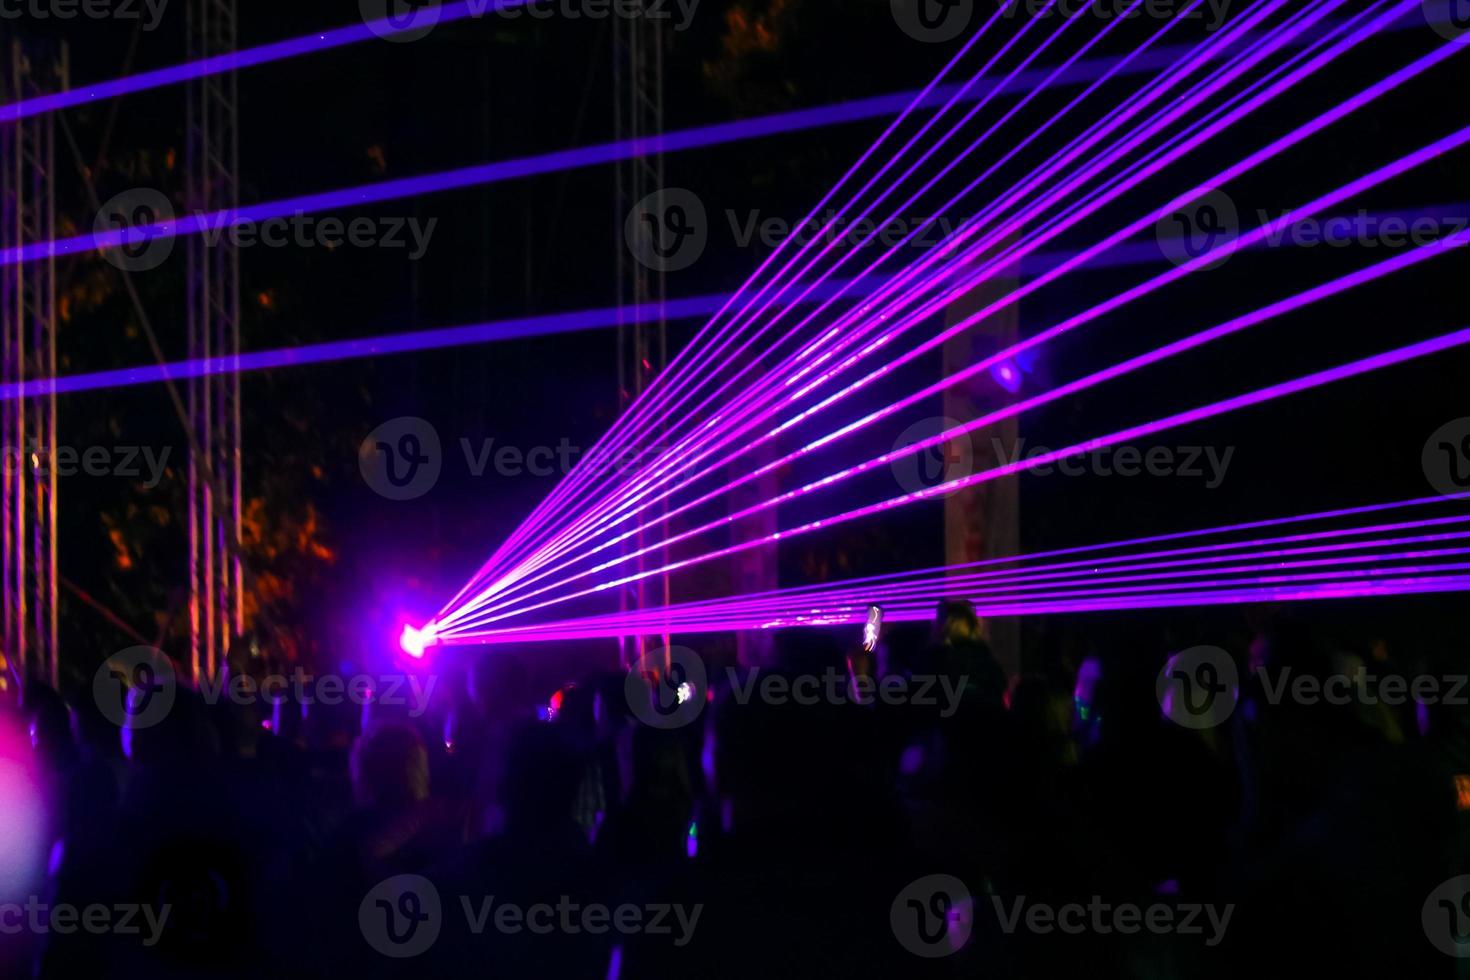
(212, 161)
(642, 344)
(28, 338)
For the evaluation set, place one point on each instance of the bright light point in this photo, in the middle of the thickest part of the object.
(416, 641)
(686, 691)
(1008, 375)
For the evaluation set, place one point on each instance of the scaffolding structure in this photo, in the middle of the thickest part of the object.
(212, 163)
(642, 341)
(28, 329)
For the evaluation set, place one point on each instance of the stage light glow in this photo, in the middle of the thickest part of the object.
(1270, 393)
(944, 579)
(1367, 586)
(847, 598)
(650, 404)
(416, 642)
(844, 601)
(1187, 65)
(1277, 147)
(1235, 325)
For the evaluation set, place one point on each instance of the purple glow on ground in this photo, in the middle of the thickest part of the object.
(23, 845)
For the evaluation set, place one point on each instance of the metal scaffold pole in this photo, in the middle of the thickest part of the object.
(28, 337)
(642, 342)
(216, 606)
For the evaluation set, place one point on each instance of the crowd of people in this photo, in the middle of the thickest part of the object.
(766, 836)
